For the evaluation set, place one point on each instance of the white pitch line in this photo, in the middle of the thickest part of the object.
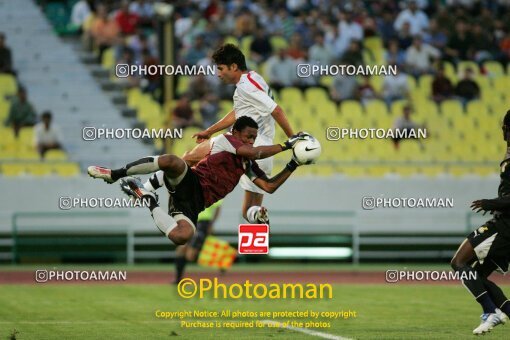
(306, 331)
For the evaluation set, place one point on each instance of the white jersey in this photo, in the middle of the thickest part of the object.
(253, 98)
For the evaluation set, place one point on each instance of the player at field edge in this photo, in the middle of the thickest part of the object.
(252, 98)
(194, 189)
(488, 248)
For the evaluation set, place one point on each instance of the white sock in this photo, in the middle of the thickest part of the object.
(164, 222)
(250, 214)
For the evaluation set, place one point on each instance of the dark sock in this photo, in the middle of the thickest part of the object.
(505, 307)
(496, 294)
(486, 302)
(119, 173)
(180, 263)
(477, 288)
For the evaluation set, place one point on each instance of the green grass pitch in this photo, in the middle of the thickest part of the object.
(124, 311)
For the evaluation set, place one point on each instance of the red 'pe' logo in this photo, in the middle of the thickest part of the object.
(253, 239)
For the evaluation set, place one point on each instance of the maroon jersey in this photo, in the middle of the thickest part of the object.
(220, 171)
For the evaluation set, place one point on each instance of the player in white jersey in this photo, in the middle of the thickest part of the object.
(252, 98)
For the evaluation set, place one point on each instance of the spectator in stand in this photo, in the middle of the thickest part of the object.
(395, 87)
(366, 91)
(46, 135)
(183, 114)
(150, 82)
(128, 57)
(404, 123)
(482, 45)
(210, 35)
(344, 88)
(420, 57)
(80, 12)
(296, 50)
(435, 36)
(405, 38)
(195, 53)
(145, 11)
(140, 42)
(245, 24)
(126, 20)
(459, 43)
(338, 43)
(281, 71)
(199, 87)
(5, 56)
(353, 56)
(467, 89)
(209, 109)
(394, 55)
(287, 23)
(260, 47)
(442, 87)
(418, 19)
(104, 30)
(385, 26)
(319, 53)
(348, 27)
(21, 113)
(504, 47)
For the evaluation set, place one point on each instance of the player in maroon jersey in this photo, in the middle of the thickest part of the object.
(193, 189)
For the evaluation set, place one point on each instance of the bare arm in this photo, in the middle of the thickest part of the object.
(259, 152)
(222, 124)
(270, 185)
(281, 119)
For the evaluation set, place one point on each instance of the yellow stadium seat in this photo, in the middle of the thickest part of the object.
(5, 106)
(431, 170)
(477, 108)
(183, 85)
(449, 71)
(314, 95)
(39, 169)
(494, 68)
(66, 169)
(278, 43)
(134, 96)
(373, 43)
(8, 86)
(28, 155)
(463, 65)
(327, 81)
(459, 170)
(425, 83)
(351, 107)
(108, 59)
(376, 108)
(245, 46)
(501, 84)
(12, 169)
(451, 108)
(231, 40)
(55, 155)
(291, 95)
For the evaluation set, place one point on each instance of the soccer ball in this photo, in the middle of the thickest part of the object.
(306, 151)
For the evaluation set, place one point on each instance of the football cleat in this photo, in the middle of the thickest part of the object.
(489, 321)
(261, 216)
(102, 173)
(133, 187)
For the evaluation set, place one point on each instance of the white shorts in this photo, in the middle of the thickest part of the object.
(265, 165)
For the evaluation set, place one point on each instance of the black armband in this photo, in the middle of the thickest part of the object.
(292, 165)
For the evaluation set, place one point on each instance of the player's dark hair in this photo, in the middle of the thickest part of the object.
(229, 54)
(243, 122)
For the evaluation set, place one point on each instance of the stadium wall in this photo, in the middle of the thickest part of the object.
(301, 194)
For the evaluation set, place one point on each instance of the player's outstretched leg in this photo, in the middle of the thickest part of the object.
(460, 263)
(142, 166)
(178, 232)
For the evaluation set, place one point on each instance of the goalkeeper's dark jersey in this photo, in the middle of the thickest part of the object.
(504, 184)
(502, 218)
